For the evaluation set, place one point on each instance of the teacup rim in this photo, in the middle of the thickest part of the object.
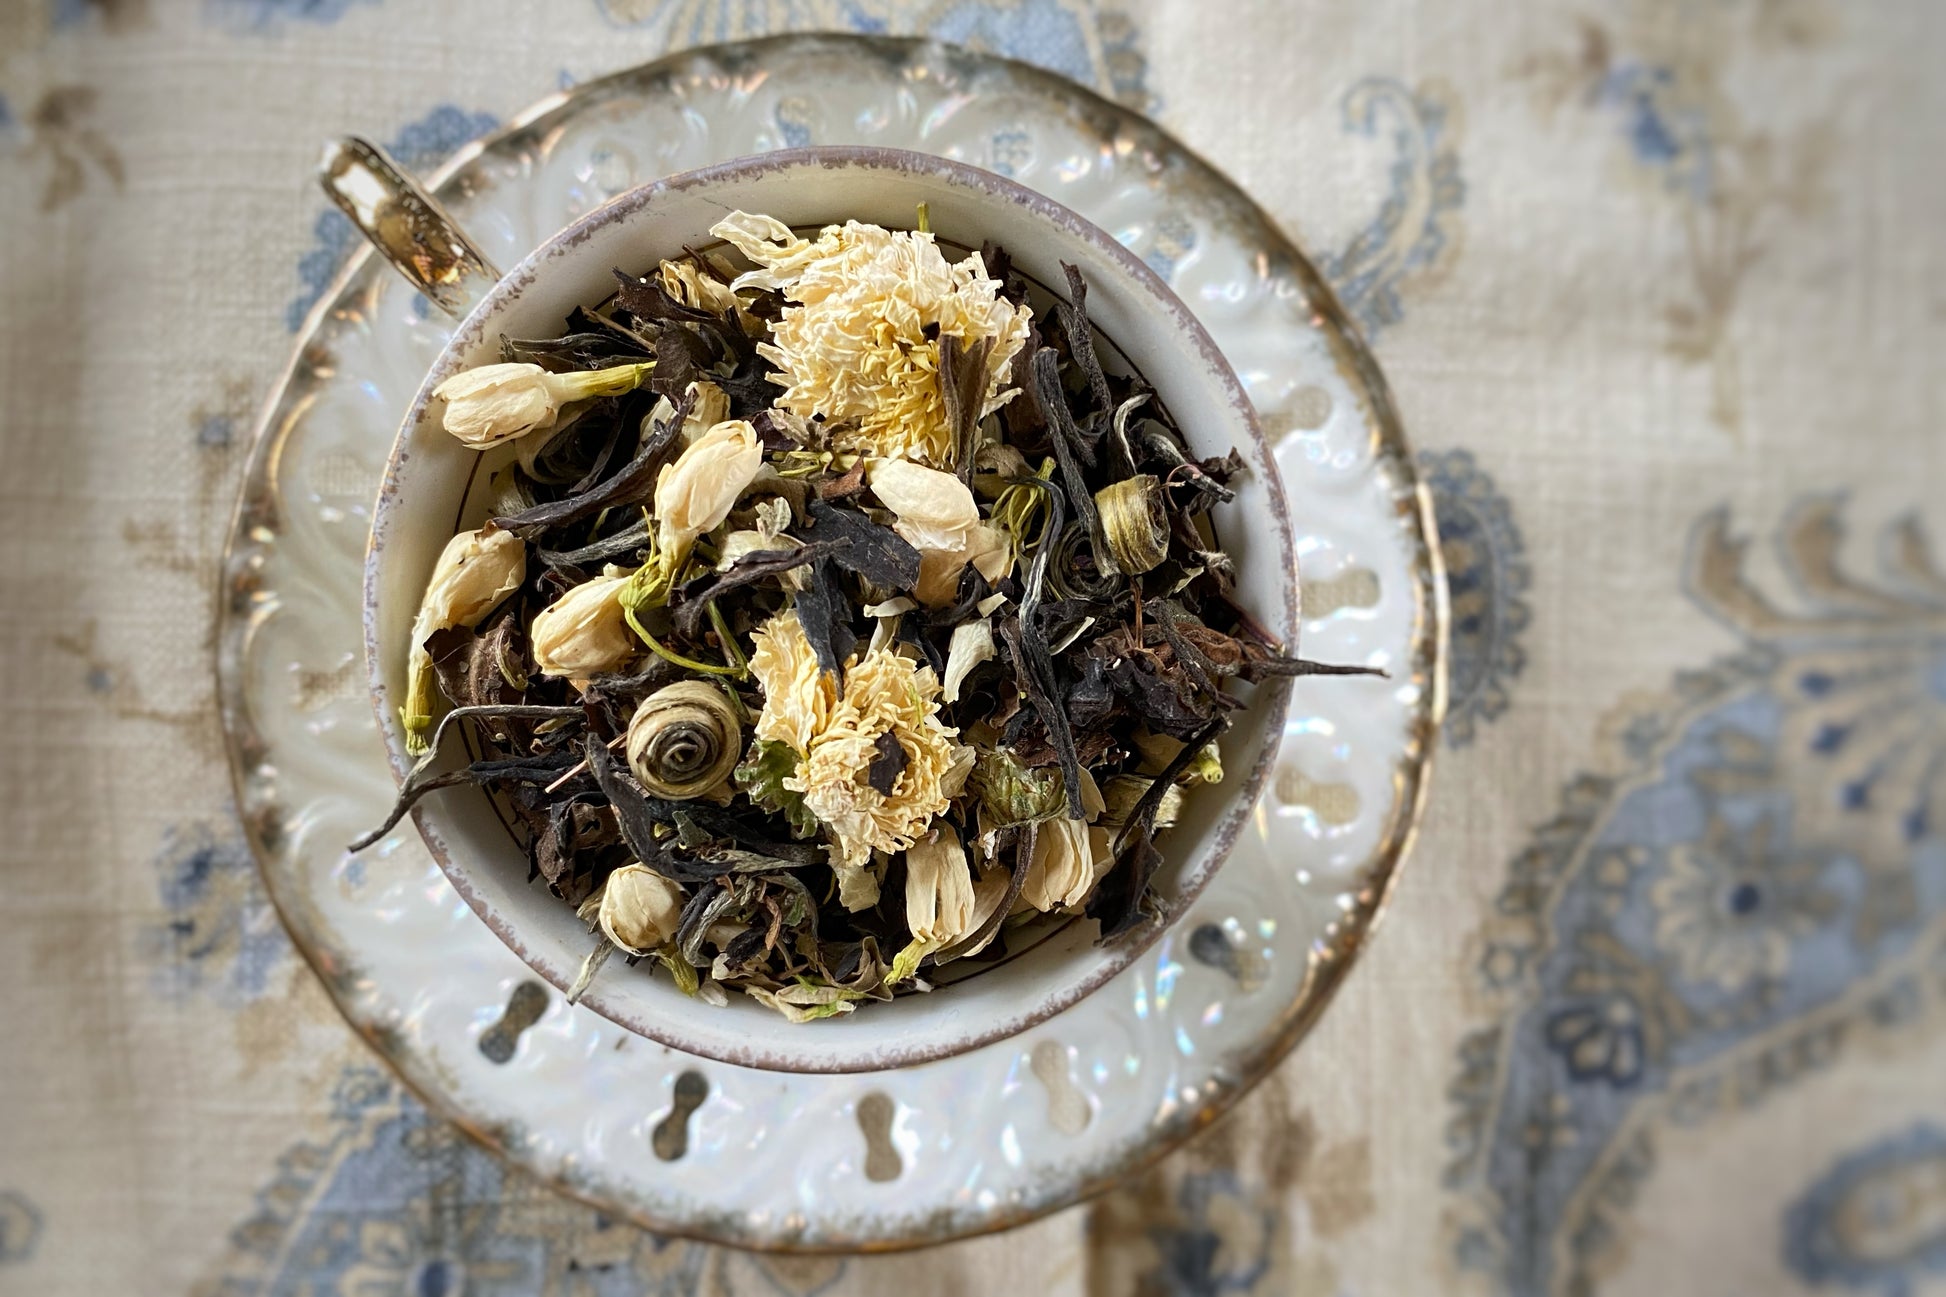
(1272, 698)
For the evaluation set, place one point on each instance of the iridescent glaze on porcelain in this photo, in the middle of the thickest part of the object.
(1001, 1134)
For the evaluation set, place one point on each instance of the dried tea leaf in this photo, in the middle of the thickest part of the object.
(633, 483)
(962, 383)
(624, 546)
(1066, 439)
(824, 610)
(1122, 900)
(691, 602)
(1081, 337)
(889, 763)
(877, 553)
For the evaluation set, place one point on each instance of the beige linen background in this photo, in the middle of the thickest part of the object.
(1660, 1007)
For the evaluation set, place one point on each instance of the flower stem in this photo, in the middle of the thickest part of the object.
(670, 655)
(731, 649)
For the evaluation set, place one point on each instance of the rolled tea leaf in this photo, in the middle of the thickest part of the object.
(684, 740)
(1135, 523)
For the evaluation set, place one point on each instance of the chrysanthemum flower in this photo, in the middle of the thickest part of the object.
(853, 346)
(841, 736)
(798, 698)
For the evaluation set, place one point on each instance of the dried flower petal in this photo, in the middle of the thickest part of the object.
(935, 509)
(988, 893)
(939, 905)
(798, 697)
(584, 632)
(985, 546)
(971, 645)
(698, 289)
(938, 888)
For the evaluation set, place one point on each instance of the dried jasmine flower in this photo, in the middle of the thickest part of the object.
(939, 906)
(935, 509)
(584, 633)
(475, 571)
(684, 740)
(814, 660)
(695, 494)
(496, 403)
(1069, 857)
(807, 1002)
(638, 909)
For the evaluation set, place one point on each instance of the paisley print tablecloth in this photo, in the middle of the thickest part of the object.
(1661, 1004)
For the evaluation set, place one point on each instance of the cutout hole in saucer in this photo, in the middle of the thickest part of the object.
(671, 1137)
(1355, 587)
(882, 1161)
(1309, 410)
(1333, 804)
(1068, 1110)
(1215, 946)
(524, 1008)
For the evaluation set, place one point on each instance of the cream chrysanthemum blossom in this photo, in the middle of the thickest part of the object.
(853, 346)
(798, 698)
(837, 735)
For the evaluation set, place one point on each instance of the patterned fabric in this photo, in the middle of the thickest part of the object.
(1660, 1006)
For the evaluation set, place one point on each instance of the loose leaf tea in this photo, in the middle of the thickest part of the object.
(838, 614)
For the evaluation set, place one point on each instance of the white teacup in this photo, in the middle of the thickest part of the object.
(432, 488)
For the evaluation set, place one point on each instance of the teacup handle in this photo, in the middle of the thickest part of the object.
(407, 226)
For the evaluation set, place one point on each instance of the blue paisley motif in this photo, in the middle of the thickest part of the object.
(268, 15)
(1876, 1221)
(391, 1199)
(1205, 1257)
(1413, 230)
(1667, 130)
(221, 937)
(1748, 895)
(1487, 576)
